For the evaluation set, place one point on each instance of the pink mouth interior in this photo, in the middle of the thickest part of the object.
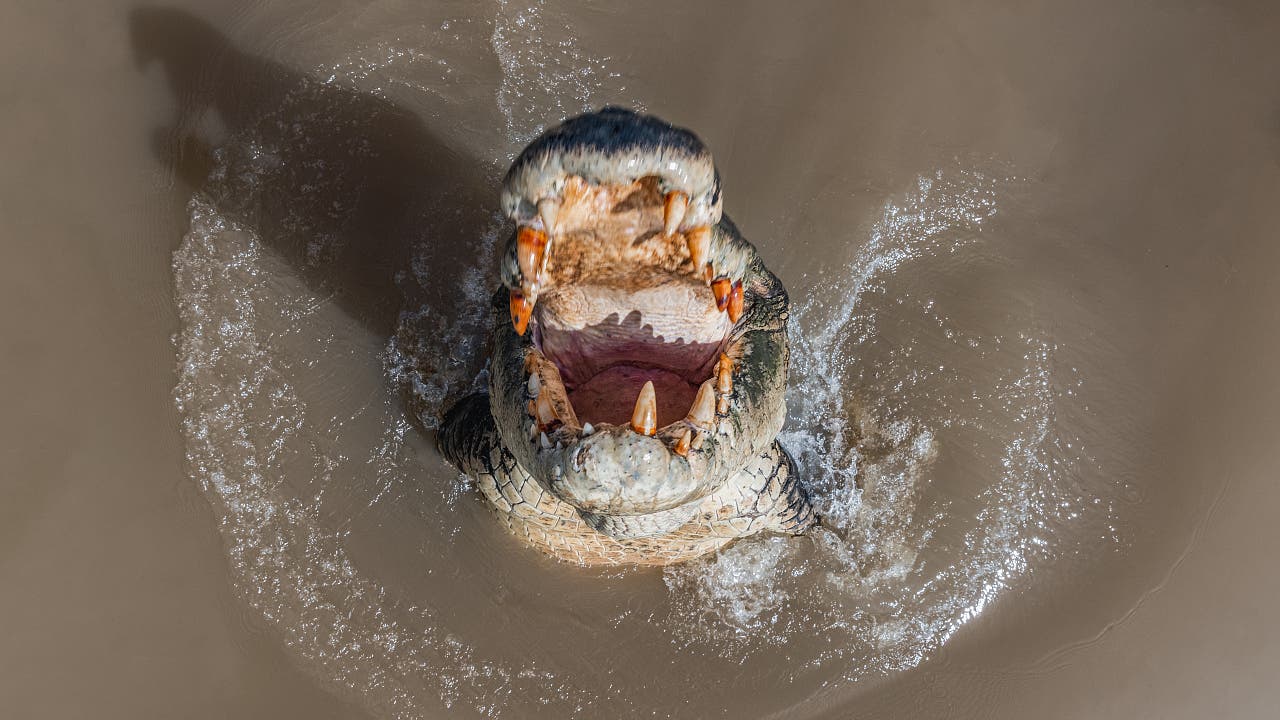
(603, 365)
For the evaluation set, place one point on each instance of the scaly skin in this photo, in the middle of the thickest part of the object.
(762, 496)
(617, 496)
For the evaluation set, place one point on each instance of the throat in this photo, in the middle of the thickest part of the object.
(608, 397)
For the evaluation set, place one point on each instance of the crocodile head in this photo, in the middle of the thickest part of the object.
(640, 352)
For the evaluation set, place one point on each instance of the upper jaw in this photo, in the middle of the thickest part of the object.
(574, 178)
(611, 147)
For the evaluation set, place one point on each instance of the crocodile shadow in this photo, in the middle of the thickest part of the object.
(349, 187)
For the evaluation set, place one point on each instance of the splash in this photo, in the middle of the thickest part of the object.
(941, 216)
(437, 357)
(546, 76)
(268, 465)
(899, 565)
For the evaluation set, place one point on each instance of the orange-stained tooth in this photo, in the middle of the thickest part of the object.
(531, 250)
(548, 208)
(709, 273)
(521, 309)
(682, 444)
(673, 212)
(721, 288)
(724, 378)
(722, 405)
(703, 410)
(699, 244)
(735, 302)
(644, 419)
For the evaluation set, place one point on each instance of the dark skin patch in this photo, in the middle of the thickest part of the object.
(648, 194)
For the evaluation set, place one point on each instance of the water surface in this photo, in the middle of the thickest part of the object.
(1028, 253)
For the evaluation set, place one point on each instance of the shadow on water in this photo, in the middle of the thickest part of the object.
(349, 187)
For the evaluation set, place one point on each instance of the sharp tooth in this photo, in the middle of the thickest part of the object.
(735, 302)
(721, 288)
(546, 413)
(587, 429)
(703, 410)
(535, 385)
(531, 250)
(548, 208)
(708, 273)
(699, 240)
(521, 309)
(724, 376)
(722, 405)
(673, 212)
(698, 438)
(544, 442)
(644, 419)
(682, 444)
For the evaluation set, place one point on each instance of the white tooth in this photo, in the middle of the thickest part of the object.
(548, 208)
(673, 212)
(703, 410)
(535, 385)
(544, 442)
(587, 429)
(699, 240)
(644, 419)
(698, 439)
(559, 445)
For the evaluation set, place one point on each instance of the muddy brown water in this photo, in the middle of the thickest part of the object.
(1031, 251)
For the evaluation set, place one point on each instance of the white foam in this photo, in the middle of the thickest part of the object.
(869, 422)
(739, 584)
(546, 76)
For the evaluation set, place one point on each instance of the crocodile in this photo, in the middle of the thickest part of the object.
(638, 358)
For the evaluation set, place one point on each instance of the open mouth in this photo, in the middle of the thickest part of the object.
(623, 283)
(638, 370)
